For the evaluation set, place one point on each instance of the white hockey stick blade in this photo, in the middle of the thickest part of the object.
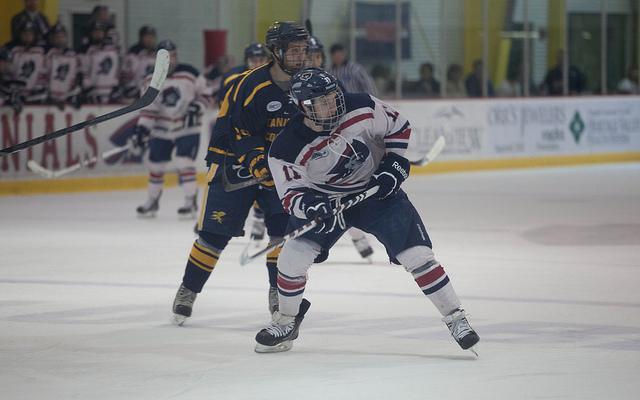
(433, 153)
(160, 69)
(39, 169)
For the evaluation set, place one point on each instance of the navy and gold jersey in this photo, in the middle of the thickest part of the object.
(254, 110)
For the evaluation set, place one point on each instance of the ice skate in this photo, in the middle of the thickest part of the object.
(461, 331)
(363, 247)
(190, 208)
(149, 209)
(183, 305)
(279, 336)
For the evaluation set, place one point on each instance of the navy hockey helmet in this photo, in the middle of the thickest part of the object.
(57, 28)
(255, 50)
(315, 45)
(279, 36)
(27, 26)
(168, 45)
(319, 97)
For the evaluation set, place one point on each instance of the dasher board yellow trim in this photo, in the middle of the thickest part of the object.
(86, 184)
(130, 182)
(528, 162)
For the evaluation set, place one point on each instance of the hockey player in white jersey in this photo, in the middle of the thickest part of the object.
(343, 144)
(317, 60)
(173, 121)
(63, 67)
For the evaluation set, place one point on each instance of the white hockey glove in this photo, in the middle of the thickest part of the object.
(320, 207)
(392, 171)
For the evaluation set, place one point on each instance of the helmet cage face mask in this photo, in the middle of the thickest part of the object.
(325, 110)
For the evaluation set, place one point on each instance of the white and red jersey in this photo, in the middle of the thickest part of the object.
(137, 64)
(101, 69)
(166, 117)
(28, 66)
(339, 162)
(63, 67)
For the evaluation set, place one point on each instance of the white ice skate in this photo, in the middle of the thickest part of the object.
(149, 209)
(190, 208)
(461, 330)
(279, 336)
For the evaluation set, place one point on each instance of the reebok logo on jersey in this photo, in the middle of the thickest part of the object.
(218, 216)
(399, 168)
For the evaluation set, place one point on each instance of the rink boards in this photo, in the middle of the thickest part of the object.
(480, 134)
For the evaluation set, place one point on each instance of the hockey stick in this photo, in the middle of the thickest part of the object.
(159, 74)
(50, 174)
(431, 154)
(245, 258)
(227, 186)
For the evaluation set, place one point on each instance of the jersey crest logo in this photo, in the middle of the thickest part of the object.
(274, 106)
(170, 96)
(319, 154)
(61, 72)
(26, 70)
(218, 216)
(105, 66)
(351, 159)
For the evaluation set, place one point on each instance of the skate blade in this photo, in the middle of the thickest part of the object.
(473, 350)
(147, 215)
(280, 347)
(178, 319)
(187, 217)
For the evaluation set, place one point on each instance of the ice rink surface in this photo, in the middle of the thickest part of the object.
(547, 263)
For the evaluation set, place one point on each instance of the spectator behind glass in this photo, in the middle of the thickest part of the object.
(473, 83)
(511, 87)
(629, 85)
(30, 14)
(553, 81)
(427, 85)
(455, 86)
(353, 76)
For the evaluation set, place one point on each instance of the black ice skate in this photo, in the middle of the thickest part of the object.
(183, 304)
(273, 300)
(189, 209)
(461, 330)
(149, 209)
(363, 247)
(279, 336)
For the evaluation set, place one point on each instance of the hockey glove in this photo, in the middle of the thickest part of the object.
(320, 207)
(391, 172)
(139, 140)
(259, 168)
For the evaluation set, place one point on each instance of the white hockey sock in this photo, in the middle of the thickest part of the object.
(290, 291)
(187, 177)
(156, 180)
(430, 277)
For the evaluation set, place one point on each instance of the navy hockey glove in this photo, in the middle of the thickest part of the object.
(391, 172)
(259, 168)
(319, 207)
(139, 140)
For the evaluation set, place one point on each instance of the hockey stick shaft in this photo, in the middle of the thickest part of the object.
(37, 168)
(159, 74)
(435, 150)
(352, 201)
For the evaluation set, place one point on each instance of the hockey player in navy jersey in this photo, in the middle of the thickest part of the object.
(343, 144)
(251, 115)
(173, 121)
